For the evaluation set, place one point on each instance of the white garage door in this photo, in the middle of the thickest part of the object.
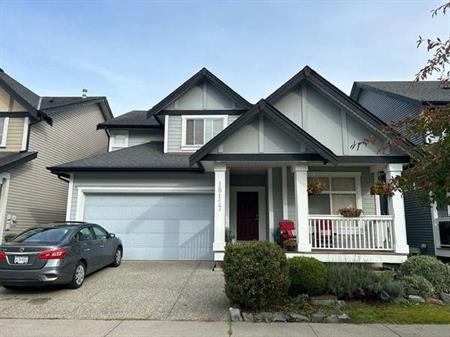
(156, 226)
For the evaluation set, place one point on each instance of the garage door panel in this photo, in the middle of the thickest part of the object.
(157, 227)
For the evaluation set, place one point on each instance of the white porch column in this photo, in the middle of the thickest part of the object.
(397, 209)
(220, 210)
(300, 171)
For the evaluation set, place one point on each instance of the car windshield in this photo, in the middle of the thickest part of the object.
(43, 235)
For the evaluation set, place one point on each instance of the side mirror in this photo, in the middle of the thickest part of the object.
(111, 235)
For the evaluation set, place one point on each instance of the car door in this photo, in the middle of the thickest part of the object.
(105, 246)
(85, 237)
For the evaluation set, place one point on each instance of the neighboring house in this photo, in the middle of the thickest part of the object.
(37, 132)
(428, 229)
(205, 161)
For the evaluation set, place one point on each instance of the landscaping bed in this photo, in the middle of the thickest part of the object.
(266, 287)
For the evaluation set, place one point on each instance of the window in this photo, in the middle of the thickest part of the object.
(84, 234)
(199, 130)
(4, 121)
(100, 233)
(341, 190)
(43, 235)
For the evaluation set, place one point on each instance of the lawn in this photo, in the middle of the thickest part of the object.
(398, 313)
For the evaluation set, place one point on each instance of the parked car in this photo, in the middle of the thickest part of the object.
(62, 253)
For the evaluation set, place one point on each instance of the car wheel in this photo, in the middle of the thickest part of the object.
(117, 258)
(78, 276)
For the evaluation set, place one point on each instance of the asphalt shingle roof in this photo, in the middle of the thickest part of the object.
(28, 95)
(62, 101)
(423, 91)
(12, 159)
(144, 157)
(135, 118)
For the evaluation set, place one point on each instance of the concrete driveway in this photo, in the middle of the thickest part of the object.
(135, 290)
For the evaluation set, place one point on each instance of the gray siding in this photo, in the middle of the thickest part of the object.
(387, 107)
(138, 180)
(35, 195)
(277, 196)
(419, 225)
(174, 137)
(137, 137)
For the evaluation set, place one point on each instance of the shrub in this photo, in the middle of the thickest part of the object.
(417, 285)
(429, 267)
(307, 276)
(357, 281)
(256, 274)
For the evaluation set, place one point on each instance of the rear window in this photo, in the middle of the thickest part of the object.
(44, 235)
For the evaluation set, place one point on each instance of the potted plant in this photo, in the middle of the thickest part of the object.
(315, 186)
(382, 188)
(350, 212)
(290, 245)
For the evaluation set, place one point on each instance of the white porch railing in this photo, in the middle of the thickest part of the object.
(334, 232)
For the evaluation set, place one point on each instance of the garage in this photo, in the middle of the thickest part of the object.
(156, 226)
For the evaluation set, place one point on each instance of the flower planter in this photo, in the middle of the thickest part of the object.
(350, 212)
(382, 188)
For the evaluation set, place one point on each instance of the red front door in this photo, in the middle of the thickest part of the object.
(247, 221)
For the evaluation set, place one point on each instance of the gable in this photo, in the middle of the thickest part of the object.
(332, 124)
(8, 103)
(204, 96)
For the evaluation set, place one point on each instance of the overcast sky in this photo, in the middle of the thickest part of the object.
(137, 52)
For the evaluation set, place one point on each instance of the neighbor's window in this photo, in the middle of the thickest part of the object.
(199, 131)
(339, 192)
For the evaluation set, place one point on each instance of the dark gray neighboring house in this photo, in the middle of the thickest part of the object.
(428, 230)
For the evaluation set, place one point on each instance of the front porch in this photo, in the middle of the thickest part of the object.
(252, 198)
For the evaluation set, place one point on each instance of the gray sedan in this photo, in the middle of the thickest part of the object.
(62, 253)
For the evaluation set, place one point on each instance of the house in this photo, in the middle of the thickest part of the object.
(37, 132)
(428, 230)
(204, 162)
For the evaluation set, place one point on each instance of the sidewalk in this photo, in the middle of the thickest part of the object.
(114, 328)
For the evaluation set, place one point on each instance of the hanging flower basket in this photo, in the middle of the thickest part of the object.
(290, 245)
(316, 186)
(382, 188)
(350, 212)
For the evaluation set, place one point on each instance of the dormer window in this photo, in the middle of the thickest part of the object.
(198, 130)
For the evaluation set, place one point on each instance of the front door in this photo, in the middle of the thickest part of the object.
(247, 221)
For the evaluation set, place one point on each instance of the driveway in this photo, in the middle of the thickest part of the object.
(135, 290)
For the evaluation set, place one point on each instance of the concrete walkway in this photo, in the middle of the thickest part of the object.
(113, 328)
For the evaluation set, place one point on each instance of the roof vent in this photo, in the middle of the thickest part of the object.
(84, 93)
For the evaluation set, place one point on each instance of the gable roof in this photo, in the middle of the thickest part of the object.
(39, 106)
(266, 109)
(140, 158)
(192, 82)
(422, 91)
(131, 119)
(310, 76)
(9, 160)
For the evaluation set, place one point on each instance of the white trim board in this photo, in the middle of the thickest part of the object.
(270, 203)
(261, 208)
(5, 132)
(26, 125)
(4, 179)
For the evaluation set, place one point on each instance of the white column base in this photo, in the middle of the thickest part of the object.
(402, 249)
(219, 246)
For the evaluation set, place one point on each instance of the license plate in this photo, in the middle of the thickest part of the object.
(20, 259)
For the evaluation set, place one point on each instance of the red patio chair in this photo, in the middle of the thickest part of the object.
(287, 230)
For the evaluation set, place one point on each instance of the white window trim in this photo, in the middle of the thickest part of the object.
(185, 118)
(329, 175)
(26, 125)
(5, 132)
(112, 143)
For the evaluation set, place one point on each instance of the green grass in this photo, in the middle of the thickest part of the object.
(397, 313)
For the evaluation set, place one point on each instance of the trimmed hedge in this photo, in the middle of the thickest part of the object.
(429, 267)
(417, 285)
(307, 276)
(256, 274)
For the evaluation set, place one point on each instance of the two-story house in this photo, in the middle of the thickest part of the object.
(428, 229)
(36, 132)
(204, 162)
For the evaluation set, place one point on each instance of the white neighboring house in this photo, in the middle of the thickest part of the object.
(204, 160)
